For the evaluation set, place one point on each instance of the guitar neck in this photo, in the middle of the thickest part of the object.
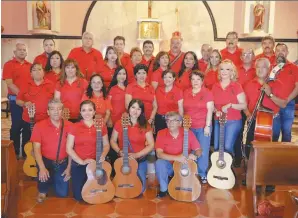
(31, 123)
(99, 148)
(185, 143)
(125, 147)
(221, 141)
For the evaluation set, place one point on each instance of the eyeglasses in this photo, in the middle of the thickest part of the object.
(172, 121)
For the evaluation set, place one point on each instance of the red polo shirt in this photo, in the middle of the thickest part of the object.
(183, 82)
(211, 77)
(253, 89)
(130, 73)
(235, 57)
(177, 65)
(136, 136)
(41, 59)
(225, 96)
(174, 146)
(18, 72)
(244, 76)
(288, 76)
(107, 74)
(149, 62)
(45, 133)
(145, 94)
(39, 95)
(89, 63)
(71, 95)
(85, 139)
(52, 76)
(196, 106)
(117, 98)
(157, 77)
(272, 58)
(168, 101)
(102, 105)
(202, 65)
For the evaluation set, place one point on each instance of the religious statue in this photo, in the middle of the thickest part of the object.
(259, 12)
(43, 15)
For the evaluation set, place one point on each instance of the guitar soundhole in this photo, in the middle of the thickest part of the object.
(184, 172)
(220, 164)
(125, 170)
(99, 173)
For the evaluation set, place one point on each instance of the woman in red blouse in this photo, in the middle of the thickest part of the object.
(81, 146)
(161, 63)
(54, 66)
(211, 73)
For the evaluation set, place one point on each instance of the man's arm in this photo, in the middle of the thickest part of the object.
(15, 90)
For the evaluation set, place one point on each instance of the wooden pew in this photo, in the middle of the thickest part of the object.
(9, 180)
(270, 163)
(291, 205)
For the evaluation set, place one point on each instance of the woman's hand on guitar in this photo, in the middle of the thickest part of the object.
(180, 158)
(226, 107)
(207, 131)
(43, 175)
(66, 174)
(218, 113)
(28, 104)
(134, 155)
(192, 157)
(87, 161)
(101, 159)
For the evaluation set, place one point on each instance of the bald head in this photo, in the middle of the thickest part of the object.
(206, 50)
(87, 39)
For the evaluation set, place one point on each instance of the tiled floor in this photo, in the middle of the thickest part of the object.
(211, 203)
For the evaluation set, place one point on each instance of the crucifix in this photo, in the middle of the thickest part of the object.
(149, 8)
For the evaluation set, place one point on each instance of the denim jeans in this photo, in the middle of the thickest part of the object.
(79, 178)
(163, 169)
(203, 160)
(60, 187)
(287, 116)
(142, 172)
(231, 131)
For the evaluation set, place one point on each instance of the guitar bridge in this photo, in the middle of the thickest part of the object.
(220, 178)
(126, 186)
(183, 189)
(94, 191)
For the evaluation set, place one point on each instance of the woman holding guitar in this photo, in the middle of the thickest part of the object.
(81, 146)
(140, 138)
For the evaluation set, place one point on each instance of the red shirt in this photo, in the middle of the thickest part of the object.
(149, 62)
(272, 58)
(168, 101)
(127, 64)
(225, 96)
(136, 136)
(41, 59)
(40, 95)
(253, 89)
(235, 57)
(211, 77)
(177, 65)
(196, 106)
(117, 98)
(85, 139)
(174, 146)
(89, 63)
(18, 72)
(288, 76)
(244, 76)
(107, 74)
(45, 133)
(202, 65)
(102, 105)
(71, 95)
(52, 76)
(184, 82)
(145, 94)
(157, 77)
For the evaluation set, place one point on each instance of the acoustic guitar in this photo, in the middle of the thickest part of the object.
(185, 186)
(126, 181)
(220, 174)
(29, 166)
(98, 189)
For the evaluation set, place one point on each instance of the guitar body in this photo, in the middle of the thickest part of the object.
(221, 178)
(127, 185)
(263, 127)
(29, 166)
(95, 193)
(185, 188)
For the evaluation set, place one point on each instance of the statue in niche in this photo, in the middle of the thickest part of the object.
(259, 12)
(43, 15)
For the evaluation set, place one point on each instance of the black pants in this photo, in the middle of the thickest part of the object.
(160, 123)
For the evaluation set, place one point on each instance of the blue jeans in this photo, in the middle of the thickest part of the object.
(79, 178)
(142, 172)
(164, 169)
(203, 160)
(232, 130)
(60, 187)
(287, 116)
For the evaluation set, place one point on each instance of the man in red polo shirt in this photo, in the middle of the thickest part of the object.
(119, 43)
(232, 51)
(16, 72)
(48, 46)
(89, 59)
(52, 169)
(169, 148)
(206, 51)
(288, 75)
(268, 43)
(175, 53)
(148, 58)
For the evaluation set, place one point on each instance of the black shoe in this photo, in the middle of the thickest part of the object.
(237, 163)
(162, 194)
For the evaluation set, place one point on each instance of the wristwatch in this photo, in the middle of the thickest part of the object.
(271, 95)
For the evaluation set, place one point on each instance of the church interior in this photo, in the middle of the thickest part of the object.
(198, 23)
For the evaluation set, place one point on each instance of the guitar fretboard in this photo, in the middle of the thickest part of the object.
(221, 141)
(125, 147)
(99, 149)
(31, 123)
(185, 147)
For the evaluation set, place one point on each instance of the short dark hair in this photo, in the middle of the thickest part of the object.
(48, 39)
(48, 66)
(119, 38)
(197, 73)
(168, 71)
(281, 44)
(140, 67)
(232, 33)
(268, 38)
(148, 42)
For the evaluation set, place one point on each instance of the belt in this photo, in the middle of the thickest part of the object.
(59, 161)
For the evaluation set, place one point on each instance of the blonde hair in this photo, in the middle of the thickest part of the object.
(234, 76)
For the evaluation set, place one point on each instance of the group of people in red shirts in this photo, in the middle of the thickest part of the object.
(155, 91)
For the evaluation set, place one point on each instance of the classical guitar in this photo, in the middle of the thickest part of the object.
(126, 181)
(29, 166)
(98, 189)
(185, 186)
(220, 174)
